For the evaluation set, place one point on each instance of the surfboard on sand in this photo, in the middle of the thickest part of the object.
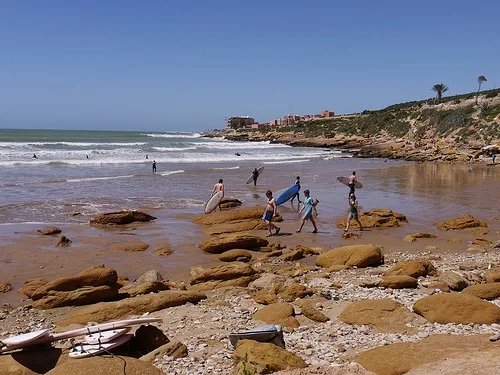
(345, 181)
(88, 350)
(105, 336)
(214, 202)
(250, 179)
(287, 194)
(25, 338)
(82, 332)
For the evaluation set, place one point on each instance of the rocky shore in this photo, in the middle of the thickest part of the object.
(362, 308)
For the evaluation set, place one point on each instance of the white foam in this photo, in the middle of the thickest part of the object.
(226, 168)
(286, 161)
(172, 135)
(171, 172)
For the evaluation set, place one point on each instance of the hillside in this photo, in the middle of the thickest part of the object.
(451, 130)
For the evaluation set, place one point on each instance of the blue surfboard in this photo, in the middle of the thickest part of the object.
(287, 194)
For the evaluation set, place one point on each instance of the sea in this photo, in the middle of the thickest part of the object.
(78, 174)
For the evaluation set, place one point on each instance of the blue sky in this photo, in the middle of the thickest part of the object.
(186, 64)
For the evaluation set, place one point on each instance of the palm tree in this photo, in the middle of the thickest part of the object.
(480, 80)
(439, 88)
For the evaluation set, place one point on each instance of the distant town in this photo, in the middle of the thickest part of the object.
(241, 122)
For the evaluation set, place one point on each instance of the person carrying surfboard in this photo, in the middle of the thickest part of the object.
(309, 204)
(270, 212)
(255, 176)
(353, 212)
(297, 182)
(352, 182)
(218, 187)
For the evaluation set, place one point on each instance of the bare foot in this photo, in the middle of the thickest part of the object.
(315, 231)
(297, 231)
(277, 230)
(345, 230)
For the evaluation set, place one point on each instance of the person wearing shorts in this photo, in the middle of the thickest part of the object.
(353, 212)
(309, 204)
(270, 212)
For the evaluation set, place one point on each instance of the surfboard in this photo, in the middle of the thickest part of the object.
(250, 179)
(287, 194)
(345, 181)
(214, 202)
(105, 336)
(25, 338)
(88, 350)
(82, 331)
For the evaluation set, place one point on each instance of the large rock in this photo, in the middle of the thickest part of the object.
(457, 308)
(30, 287)
(236, 226)
(93, 276)
(150, 277)
(175, 349)
(398, 282)
(236, 255)
(129, 246)
(353, 255)
(310, 311)
(49, 231)
(225, 272)
(221, 244)
(492, 276)
(385, 315)
(63, 241)
(454, 280)
(216, 284)
(120, 218)
(294, 291)
(377, 218)
(488, 291)
(147, 338)
(278, 313)
(30, 362)
(462, 222)
(252, 357)
(139, 305)
(266, 281)
(82, 296)
(228, 202)
(106, 365)
(400, 358)
(138, 288)
(414, 268)
(413, 236)
(5, 287)
(227, 216)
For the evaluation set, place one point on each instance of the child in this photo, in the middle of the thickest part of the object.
(309, 204)
(270, 212)
(297, 182)
(353, 212)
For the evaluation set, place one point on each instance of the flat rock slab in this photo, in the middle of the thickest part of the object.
(457, 308)
(376, 218)
(219, 217)
(131, 246)
(488, 291)
(396, 359)
(121, 218)
(462, 222)
(221, 244)
(353, 255)
(414, 268)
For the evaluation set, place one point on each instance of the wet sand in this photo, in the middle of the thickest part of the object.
(425, 193)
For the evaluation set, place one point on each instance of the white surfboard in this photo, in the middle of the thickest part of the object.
(25, 338)
(214, 202)
(82, 332)
(250, 179)
(105, 336)
(88, 350)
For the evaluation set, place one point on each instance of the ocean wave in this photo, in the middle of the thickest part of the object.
(12, 145)
(225, 168)
(286, 161)
(240, 145)
(172, 135)
(168, 173)
(174, 148)
(98, 178)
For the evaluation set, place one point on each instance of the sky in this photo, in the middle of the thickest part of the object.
(185, 65)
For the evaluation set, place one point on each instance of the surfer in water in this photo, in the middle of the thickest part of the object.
(309, 205)
(218, 187)
(154, 166)
(353, 212)
(270, 212)
(352, 182)
(255, 176)
(297, 182)
(34, 156)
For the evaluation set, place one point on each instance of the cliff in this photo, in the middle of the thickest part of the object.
(452, 130)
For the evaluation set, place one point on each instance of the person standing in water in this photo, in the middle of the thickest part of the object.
(297, 182)
(218, 187)
(353, 212)
(270, 212)
(309, 204)
(352, 182)
(154, 166)
(34, 156)
(255, 176)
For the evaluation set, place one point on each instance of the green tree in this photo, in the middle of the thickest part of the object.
(480, 80)
(440, 89)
